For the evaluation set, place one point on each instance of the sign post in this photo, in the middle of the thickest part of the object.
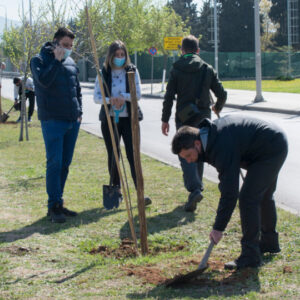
(172, 43)
(152, 52)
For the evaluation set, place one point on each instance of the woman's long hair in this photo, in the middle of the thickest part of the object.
(114, 46)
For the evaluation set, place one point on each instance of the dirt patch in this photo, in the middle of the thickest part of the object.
(214, 276)
(9, 122)
(287, 269)
(147, 274)
(16, 250)
(127, 249)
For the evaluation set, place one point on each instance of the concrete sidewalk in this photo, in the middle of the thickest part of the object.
(286, 103)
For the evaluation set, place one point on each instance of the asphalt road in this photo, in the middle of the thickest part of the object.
(156, 145)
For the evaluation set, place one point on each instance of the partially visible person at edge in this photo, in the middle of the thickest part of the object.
(59, 104)
(191, 79)
(228, 144)
(115, 74)
(29, 94)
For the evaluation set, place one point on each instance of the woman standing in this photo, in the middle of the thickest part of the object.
(116, 66)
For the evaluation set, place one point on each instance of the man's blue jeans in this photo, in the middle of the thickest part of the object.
(60, 139)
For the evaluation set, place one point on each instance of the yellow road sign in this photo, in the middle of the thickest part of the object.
(172, 42)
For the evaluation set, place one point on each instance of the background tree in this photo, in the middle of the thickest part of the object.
(21, 43)
(236, 26)
(269, 28)
(188, 12)
(278, 14)
(137, 23)
(206, 27)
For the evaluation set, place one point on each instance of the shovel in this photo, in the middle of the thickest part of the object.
(5, 116)
(180, 279)
(111, 196)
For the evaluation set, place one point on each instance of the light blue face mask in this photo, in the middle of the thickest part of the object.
(67, 53)
(119, 62)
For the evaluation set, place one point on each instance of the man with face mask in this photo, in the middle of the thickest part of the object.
(58, 96)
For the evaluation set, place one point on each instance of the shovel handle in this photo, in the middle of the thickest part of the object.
(205, 258)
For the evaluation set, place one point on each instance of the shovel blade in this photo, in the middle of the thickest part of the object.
(111, 196)
(4, 117)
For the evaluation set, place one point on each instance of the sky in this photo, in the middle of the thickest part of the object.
(13, 8)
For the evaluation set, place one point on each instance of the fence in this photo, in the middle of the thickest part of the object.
(232, 65)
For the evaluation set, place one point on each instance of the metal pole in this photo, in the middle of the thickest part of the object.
(30, 14)
(288, 2)
(258, 97)
(152, 74)
(135, 58)
(52, 9)
(216, 35)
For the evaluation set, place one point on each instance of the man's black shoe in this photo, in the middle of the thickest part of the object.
(194, 198)
(241, 263)
(68, 212)
(55, 214)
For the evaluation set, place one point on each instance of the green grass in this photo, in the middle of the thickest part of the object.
(291, 86)
(40, 260)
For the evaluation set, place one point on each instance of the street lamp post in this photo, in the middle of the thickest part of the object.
(216, 36)
(30, 14)
(258, 97)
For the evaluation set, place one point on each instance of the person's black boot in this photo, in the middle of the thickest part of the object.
(55, 214)
(194, 198)
(269, 243)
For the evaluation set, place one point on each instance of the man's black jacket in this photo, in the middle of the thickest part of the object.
(185, 81)
(236, 142)
(57, 87)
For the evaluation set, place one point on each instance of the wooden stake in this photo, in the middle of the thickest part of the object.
(135, 128)
(96, 60)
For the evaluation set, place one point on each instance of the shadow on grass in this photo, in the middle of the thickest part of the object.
(81, 271)
(45, 227)
(161, 222)
(237, 284)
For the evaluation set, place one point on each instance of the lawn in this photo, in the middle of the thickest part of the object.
(83, 259)
(289, 86)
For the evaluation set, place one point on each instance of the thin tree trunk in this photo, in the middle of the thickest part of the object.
(135, 127)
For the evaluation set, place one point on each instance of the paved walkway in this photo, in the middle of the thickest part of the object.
(288, 103)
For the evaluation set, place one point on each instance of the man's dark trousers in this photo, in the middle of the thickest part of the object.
(256, 202)
(60, 139)
(30, 95)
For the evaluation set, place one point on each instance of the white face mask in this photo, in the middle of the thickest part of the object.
(67, 53)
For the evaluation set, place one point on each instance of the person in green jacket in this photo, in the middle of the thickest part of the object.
(191, 79)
